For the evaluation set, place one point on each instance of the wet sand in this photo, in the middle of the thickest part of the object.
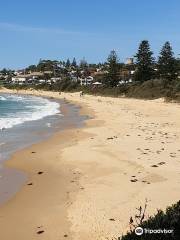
(86, 183)
(24, 135)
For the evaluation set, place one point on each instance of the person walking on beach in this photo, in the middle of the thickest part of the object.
(81, 94)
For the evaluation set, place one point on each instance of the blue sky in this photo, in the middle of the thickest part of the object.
(57, 29)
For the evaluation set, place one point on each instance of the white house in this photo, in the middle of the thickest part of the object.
(121, 82)
(86, 81)
(18, 79)
(41, 81)
(97, 83)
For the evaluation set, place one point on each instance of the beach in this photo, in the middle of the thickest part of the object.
(86, 183)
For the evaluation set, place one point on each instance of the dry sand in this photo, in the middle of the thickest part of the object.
(94, 178)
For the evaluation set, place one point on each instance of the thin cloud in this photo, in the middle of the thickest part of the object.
(22, 28)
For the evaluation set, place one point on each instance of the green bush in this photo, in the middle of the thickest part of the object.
(170, 219)
(151, 89)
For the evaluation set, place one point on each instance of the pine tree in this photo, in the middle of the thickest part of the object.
(112, 78)
(74, 63)
(167, 63)
(68, 63)
(144, 62)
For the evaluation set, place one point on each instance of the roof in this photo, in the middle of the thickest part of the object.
(36, 74)
(97, 83)
(48, 72)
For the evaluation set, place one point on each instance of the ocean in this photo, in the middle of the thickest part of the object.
(21, 121)
(15, 109)
(25, 120)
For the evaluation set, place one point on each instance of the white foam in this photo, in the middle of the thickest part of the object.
(2, 98)
(41, 108)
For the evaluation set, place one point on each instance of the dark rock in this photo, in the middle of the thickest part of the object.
(30, 184)
(40, 232)
(134, 180)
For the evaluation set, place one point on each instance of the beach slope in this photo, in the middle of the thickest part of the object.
(86, 183)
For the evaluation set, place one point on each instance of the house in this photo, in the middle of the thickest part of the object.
(121, 82)
(35, 75)
(19, 72)
(56, 79)
(19, 79)
(41, 81)
(48, 72)
(74, 79)
(86, 81)
(97, 83)
(129, 61)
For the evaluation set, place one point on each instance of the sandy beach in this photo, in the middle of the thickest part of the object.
(86, 183)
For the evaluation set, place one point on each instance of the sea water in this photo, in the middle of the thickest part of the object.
(16, 109)
(25, 120)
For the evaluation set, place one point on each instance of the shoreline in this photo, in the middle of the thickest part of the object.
(12, 179)
(94, 168)
(18, 161)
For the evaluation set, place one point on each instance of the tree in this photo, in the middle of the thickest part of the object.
(31, 68)
(167, 63)
(74, 63)
(112, 78)
(45, 65)
(4, 71)
(83, 64)
(144, 62)
(68, 63)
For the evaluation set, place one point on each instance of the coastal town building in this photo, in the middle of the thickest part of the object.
(19, 79)
(129, 61)
(55, 79)
(86, 81)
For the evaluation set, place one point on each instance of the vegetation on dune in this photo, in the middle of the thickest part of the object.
(168, 220)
